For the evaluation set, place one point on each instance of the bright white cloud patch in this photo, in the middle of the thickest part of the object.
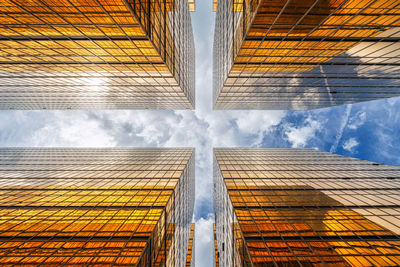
(298, 136)
(204, 242)
(257, 123)
(72, 129)
(350, 144)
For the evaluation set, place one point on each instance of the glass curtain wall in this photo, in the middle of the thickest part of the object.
(305, 54)
(95, 206)
(303, 207)
(190, 257)
(96, 54)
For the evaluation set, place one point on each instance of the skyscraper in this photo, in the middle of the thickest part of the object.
(190, 257)
(305, 54)
(96, 54)
(216, 261)
(304, 207)
(95, 206)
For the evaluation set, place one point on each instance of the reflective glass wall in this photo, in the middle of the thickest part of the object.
(305, 54)
(216, 260)
(190, 257)
(95, 206)
(302, 207)
(96, 54)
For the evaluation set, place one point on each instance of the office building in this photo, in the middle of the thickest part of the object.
(305, 54)
(96, 54)
(190, 257)
(303, 207)
(95, 206)
(216, 261)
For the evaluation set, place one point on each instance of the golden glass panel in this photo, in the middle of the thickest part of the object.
(50, 36)
(300, 54)
(325, 221)
(72, 207)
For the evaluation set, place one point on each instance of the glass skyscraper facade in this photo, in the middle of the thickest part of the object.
(96, 54)
(305, 54)
(216, 261)
(95, 206)
(303, 207)
(190, 257)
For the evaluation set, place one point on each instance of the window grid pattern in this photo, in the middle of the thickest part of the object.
(116, 54)
(190, 257)
(305, 207)
(89, 206)
(305, 54)
(216, 256)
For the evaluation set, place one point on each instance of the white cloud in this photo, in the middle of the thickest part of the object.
(72, 129)
(357, 120)
(299, 136)
(257, 123)
(350, 144)
(204, 242)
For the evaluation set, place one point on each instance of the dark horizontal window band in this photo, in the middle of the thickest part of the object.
(87, 12)
(300, 162)
(295, 86)
(77, 63)
(309, 189)
(316, 207)
(298, 178)
(100, 85)
(85, 77)
(131, 238)
(327, 162)
(69, 25)
(351, 27)
(323, 39)
(74, 38)
(274, 95)
(316, 63)
(81, 207)
(315, 102)
(84, 178)
(296, 75)
(323, 238)
(316, 257)
(17, 188)
(317, 56)
(290, 12)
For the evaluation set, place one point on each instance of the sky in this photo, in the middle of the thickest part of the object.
(369, 130)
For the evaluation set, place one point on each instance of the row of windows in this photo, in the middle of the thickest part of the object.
(287, 217)
(152, 48)
(296, 39)
(76, 221)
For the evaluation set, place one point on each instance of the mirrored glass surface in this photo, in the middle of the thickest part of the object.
(95, 206)
(303, 207)
(305, 54)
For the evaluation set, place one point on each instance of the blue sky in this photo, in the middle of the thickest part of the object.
(368, 130)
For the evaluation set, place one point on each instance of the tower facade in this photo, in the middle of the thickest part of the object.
(190, 257)
(216, 261)
(96, 54)
(305, 54)
(304, 207)
(95, 206)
